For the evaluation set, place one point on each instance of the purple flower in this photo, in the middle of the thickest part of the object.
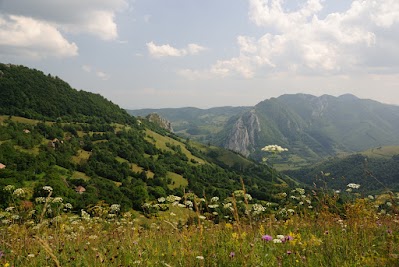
(267, 238)
(389, 231)
(289, 252)
(1, 254)
(232, 254)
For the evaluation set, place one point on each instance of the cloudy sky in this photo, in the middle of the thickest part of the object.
(175, 53)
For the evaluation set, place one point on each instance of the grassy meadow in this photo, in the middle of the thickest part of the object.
(305, 229)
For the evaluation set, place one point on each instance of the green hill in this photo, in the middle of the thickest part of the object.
(52, 134)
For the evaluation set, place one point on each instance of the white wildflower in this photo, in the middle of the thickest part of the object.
(57, 200)
(353, 185)
(214, 206)
(300, 191)
(277, 241)
(161, 200)
(9, 188)
(19, 192)
(47, 188)
(200, 257)
(214, 199)
(115, 208)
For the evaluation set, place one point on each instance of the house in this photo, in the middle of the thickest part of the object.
(80, 189)
(2, 166)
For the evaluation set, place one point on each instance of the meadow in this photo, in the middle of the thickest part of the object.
(305, 229)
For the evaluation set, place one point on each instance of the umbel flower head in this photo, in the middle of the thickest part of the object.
(274, 149)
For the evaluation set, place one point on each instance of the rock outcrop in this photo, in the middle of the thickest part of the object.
(162, 122)
(243, 135)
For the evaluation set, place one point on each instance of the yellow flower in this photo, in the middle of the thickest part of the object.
(229, 226)
(7, 264)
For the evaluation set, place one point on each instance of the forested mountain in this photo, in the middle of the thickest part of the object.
(315, 127)
(89, 150)
(312, 128)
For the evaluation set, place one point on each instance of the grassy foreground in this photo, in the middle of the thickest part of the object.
(181, 234)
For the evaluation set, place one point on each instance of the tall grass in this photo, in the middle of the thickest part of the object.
(187, 231)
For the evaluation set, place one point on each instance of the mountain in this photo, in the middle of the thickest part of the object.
(312, 128)
(194, 123)
(90, 150)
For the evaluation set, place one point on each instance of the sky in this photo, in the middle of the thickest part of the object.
(208, 53)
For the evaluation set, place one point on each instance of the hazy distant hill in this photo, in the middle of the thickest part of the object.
(195, 123)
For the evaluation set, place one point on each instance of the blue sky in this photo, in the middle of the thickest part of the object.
(175, 53)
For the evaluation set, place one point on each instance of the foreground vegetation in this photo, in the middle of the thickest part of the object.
(192, 231)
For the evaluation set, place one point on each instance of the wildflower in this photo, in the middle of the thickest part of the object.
(232, 254)
(281, 237)
(200, 257)
(172, 214)
(47, 188)
(267, 238)
(19, 192)
(289, 252)
(161, 199)
(189, 203)
(248, 197)
(9, 209)
(172, 198)
(389, 204)
(353, 185)
(258, 208)
(9, 188)
(214, 206)
(214, 199)
(68, 206)
(370, 197)
(115, 207)
(288, 238)
(31, 255)
(274, 149)
(40, 200)
(202, 217)
(57, 200)
(300, 190)
(1, 254)
(277, 241)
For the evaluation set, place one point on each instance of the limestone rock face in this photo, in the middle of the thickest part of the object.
(243, 135)
(162, 122)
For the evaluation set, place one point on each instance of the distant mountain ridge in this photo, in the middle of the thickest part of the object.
(311, 127)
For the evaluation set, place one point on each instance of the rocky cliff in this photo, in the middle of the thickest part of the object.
(244, 133)
(162, 122)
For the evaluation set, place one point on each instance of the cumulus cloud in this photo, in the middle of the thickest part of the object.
(29, 37)
(44, 23)
(167, 50)
(305, 41)
(95, 17)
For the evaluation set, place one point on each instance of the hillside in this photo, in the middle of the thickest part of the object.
(375, 170)
(101, 153)
(31, 94)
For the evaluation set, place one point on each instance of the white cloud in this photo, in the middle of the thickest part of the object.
(36, 29)
(95, 17)
(167, 50)
(102, 75)
(86, 68)
(301, 41)
(24, 36)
